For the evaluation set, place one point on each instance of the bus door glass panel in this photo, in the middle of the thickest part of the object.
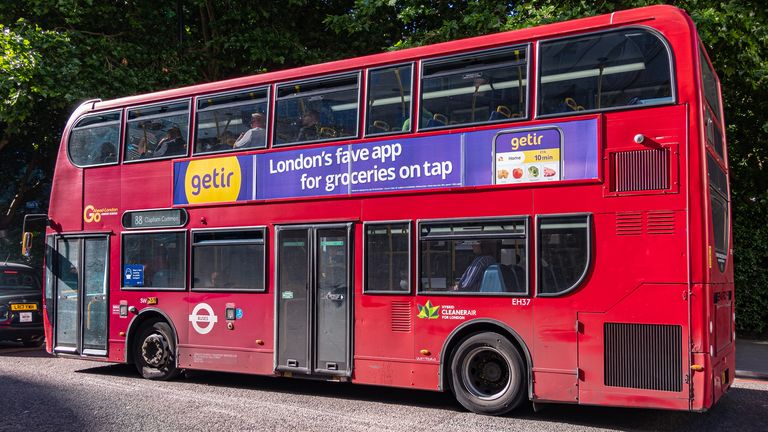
(332, 304)
(293, 298)
(50, 264)
(67, 292)
(95, 296)
(81, 295)
(313, 299)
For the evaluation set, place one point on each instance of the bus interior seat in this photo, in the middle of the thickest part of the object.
(328, 132)
(437, 120)
(380, 126)
(493, 281)
(518, 278)
(502, 112)
(501, 278)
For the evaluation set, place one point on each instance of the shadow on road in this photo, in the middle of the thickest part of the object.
(16, 349)
(742, 409)
(35, 407)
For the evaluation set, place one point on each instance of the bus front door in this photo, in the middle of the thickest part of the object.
(314, 299)
(80, 284)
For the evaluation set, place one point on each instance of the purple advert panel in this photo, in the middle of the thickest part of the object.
(416, 163)
(567, 151)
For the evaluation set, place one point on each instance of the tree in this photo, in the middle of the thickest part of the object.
(54, 54)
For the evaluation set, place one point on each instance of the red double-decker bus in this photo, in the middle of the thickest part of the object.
(540, 215)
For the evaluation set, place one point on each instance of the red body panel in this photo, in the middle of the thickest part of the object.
(649, 276)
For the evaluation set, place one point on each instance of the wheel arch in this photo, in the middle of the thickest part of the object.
(143, 317)
(483, 325)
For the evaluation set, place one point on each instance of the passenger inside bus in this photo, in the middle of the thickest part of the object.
(172, 144)
(485, 256)
(256, 135)
(310, 125)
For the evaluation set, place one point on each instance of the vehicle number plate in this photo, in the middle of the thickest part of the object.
(25, 317)
(24, 306)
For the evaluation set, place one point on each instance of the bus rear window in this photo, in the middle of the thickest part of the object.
(623, 68)
(482, 87)
(718, 199)
(710, 85)
(94, 140)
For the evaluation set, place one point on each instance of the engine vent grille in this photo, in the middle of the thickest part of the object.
(638, 223)
(661, 222)
(643, 356)
(629, 223)
(401, 317)
(640, 170)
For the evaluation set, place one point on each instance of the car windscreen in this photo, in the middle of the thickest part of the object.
(20, 279)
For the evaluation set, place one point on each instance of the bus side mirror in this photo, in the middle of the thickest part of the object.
(26, 244)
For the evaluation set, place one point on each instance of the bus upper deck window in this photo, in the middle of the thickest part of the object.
(232, 121)
(623, 68)
(319, 110)
(157, 132)
(389, 100)
(484, 87)
(95, 139)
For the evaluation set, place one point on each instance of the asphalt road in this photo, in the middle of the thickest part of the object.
(42, 393)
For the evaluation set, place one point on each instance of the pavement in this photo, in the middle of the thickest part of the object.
(752, 359)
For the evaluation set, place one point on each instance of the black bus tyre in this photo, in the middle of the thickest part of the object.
(155, 352)
(488, 374)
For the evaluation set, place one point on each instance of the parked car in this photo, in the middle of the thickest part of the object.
(21, 304)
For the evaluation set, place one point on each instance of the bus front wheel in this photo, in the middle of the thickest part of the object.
(155, 352)
(487, 374)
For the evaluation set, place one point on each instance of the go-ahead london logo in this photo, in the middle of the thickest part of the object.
(199, 320)
(428, 311)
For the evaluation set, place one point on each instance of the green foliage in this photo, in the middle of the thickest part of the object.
(54, 54)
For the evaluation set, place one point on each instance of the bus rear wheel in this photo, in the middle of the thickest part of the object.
(487, 374)
(155, 352)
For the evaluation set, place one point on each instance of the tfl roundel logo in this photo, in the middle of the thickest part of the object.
(213, 180)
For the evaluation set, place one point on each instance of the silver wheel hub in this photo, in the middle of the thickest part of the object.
(486, 373)
(155, 350)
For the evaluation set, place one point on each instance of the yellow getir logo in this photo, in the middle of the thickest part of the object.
(212, 180)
